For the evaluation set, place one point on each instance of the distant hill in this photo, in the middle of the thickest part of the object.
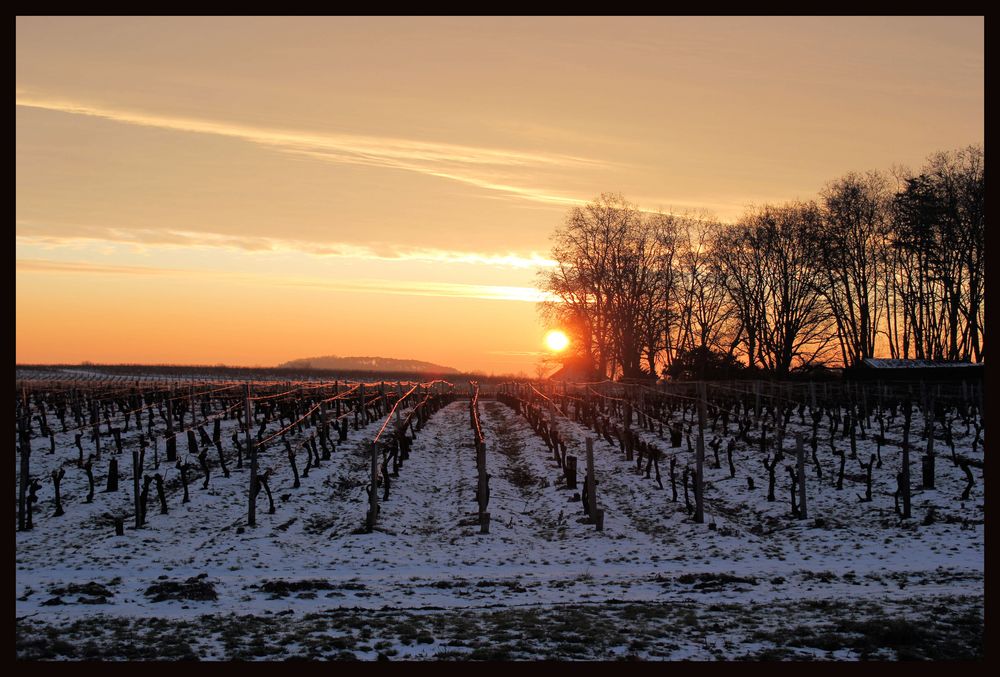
(387, 364)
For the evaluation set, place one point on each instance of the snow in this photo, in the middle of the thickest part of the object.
(427, 553)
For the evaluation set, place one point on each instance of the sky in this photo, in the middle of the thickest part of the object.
(248, 191)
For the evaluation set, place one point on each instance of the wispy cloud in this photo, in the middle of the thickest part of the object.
(471, 165)
(47, 266)
(30, 233)
(378, 286)
(448, 289)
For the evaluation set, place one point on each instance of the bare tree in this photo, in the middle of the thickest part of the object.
(939, 237)
(853, 245)
(583, 248)
(776, 285)
(872, 268)
(609, 281)
(735, 256)
(708, 313)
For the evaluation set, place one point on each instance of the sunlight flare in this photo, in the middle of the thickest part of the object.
(556, 341)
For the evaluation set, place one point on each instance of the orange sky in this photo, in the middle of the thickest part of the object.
(249, 190)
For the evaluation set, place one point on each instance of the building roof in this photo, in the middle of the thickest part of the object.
(885, 363)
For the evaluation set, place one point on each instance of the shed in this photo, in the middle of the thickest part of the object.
(916, 370)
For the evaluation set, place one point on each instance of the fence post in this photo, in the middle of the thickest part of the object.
(800, 464)
(135, 489)
(24, 474)
(928, 464)
(554, 431)
(699, 500)
(324, 427)
(591, 493)
(171, 441)
(570, 472)
(906, 459)
(484, 496)
(252, 451)
(97, 430)
(373, 494)
(361, 407)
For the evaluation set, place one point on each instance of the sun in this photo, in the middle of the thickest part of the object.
(556, 341)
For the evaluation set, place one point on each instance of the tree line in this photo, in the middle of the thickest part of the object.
(881, 264)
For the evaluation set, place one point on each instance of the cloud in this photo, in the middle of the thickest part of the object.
(32, 233)
(416, 288)
(471, 165)
(47, 266)
(379, 286)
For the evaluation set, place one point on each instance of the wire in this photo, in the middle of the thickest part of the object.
(389, 416)
(288, 392)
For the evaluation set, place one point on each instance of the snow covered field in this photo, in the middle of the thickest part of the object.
(851, 581)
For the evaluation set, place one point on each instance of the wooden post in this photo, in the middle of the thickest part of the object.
(864, 408)
(135, 489)
(97, 431)
(800, 463)
(570, 472)
(553, 432)
(373, 493)
(324, 418)
(780, 425)
(590, 480)
(699, 500)
(361, 407)
(481, 468)
(171, 440)
(22, 494)
(928, 464)
(906, 460)
(484, 489)
(252, 451)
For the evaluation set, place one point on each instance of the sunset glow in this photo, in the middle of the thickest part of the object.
(253, 190)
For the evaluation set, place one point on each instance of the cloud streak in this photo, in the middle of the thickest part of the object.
(42, 236)
(470, 165)
(445, 289)
(47, 266)
(378, 286)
